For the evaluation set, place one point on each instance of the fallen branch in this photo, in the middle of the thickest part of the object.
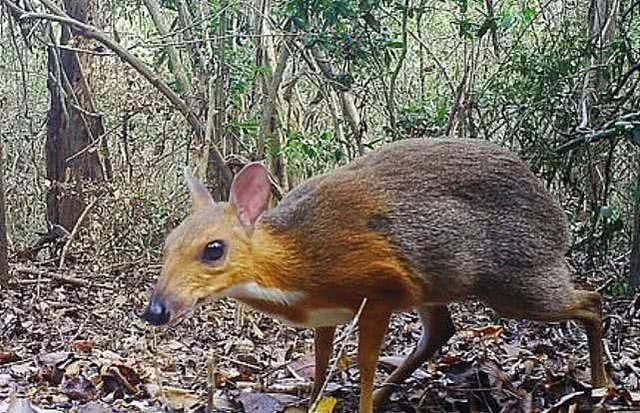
(283, 388)
(52, 276)
(76, 227)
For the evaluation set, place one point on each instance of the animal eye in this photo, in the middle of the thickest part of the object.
(213, 251)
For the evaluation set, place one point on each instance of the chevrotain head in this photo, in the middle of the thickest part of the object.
(210, 250)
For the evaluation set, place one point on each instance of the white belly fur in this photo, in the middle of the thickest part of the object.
(327, 317)
(322, 317)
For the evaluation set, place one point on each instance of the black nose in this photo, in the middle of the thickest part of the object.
(156, 312)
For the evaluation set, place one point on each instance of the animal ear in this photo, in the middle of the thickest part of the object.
(200, 196)
(250, 193)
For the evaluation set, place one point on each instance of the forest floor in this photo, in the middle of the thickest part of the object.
(74, 342)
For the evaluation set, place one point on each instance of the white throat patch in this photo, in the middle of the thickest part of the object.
(253, 290)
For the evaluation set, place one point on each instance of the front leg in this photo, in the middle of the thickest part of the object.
(373, 326)
(323, 340)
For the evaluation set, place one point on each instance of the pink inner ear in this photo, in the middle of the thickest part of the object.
(250, 193)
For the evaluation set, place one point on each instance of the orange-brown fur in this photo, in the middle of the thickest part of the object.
(356, 260)
(414, 226)
(374, 272)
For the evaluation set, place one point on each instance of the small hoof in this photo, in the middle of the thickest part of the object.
(381, 396)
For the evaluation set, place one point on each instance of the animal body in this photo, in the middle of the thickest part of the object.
(413, 226)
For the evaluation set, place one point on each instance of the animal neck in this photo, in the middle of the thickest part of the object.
(290, 272)
(275, 273)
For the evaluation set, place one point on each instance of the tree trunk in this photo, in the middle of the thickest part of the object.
(216, 114)
(347, 102)
(271, 140)
(602, 27)
(75, 149)
(4, 261)
(269, 131)
(175, 63)
(634, 265)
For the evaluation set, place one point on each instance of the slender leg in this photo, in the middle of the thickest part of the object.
(437, 329)
(588, 309)
(323, 339)
(373, 326)
(581, 305)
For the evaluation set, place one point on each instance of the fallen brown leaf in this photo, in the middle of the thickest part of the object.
(8, 356)
(79, 388)
(491, 331)
(50, 374)
(304, 367)
(84, 346)
(180, 399)
(260, 403)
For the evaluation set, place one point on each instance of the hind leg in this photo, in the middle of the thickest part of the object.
(581, 305)
(437, 328)
(587, 308)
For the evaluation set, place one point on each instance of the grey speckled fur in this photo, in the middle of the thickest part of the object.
(468, 216)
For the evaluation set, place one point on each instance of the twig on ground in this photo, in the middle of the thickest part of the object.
(156, 369)
(605, 285)
(240, 363)
(565, 399)
(76, 227)
(52, 276)
(283, 388)
(211, 381)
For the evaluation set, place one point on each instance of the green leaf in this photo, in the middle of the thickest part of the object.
(606, 212)
(262, 70)
(299, 23)
(507, 19)
(310, 40)
(396, 45)
(528, 14)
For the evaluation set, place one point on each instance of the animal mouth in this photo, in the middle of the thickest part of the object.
(182, 314)
(179, 318)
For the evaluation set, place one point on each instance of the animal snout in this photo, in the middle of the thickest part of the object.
(157, 312)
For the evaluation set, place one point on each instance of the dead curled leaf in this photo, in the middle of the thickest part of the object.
(84, 346)
(79, 388)
(119, 380)
(264, 402)
(259, 403)
(344, 362)
(50, 374)
(451, 359)
(180, 399)
(8, 357)
(54, 358)
(304, 367)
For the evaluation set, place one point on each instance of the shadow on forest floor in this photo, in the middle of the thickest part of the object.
(75, 342)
